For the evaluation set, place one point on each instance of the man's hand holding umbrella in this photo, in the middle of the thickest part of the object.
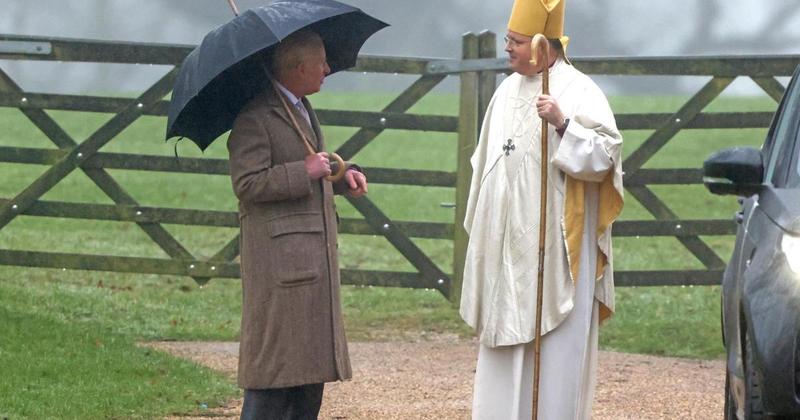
(318, 166)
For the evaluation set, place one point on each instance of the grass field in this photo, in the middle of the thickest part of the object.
(68, 337)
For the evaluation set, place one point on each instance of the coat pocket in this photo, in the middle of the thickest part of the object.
(298, 249)
(295, 223)
(299, 278)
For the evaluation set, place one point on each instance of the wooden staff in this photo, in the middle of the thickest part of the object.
(540, 55)
(309, 147)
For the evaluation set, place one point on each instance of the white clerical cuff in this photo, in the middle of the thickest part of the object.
(582, 155)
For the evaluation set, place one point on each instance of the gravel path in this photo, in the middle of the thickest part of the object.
(433, 380)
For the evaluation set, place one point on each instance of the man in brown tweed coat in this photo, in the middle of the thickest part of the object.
(292, 337)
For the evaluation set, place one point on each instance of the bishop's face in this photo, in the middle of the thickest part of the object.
(518, 47)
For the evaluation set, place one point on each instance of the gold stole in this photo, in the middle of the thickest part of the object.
(609, 207)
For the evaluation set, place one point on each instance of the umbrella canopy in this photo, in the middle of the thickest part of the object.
(225, 71)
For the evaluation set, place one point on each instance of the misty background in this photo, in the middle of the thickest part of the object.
(420, 28)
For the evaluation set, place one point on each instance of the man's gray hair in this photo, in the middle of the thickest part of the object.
(291, 52)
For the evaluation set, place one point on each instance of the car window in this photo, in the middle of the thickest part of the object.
(779, 146)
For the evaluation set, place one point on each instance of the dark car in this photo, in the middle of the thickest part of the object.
(761, 285)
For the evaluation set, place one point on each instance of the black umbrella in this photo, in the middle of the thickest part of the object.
(226, 69)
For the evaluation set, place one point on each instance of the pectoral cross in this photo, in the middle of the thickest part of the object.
(509, 147)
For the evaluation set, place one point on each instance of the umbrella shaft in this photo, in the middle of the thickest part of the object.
(233, 7)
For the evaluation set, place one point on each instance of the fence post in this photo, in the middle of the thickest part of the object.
(468, 126)
(487, 80)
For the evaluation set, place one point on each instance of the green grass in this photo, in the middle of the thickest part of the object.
(68, 346)
(54, 369)
(68, 336)
(666, 321)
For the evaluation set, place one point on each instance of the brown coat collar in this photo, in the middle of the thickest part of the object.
(313, 133)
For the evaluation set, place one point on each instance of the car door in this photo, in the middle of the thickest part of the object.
(779, 143)
(777, 151)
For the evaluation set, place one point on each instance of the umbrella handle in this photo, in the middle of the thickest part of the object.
(342, 168)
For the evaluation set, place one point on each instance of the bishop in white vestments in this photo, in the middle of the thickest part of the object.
(584, 197)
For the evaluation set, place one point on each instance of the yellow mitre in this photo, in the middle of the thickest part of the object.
(546, 17)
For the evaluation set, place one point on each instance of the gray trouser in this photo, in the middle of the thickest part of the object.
(296, 403)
